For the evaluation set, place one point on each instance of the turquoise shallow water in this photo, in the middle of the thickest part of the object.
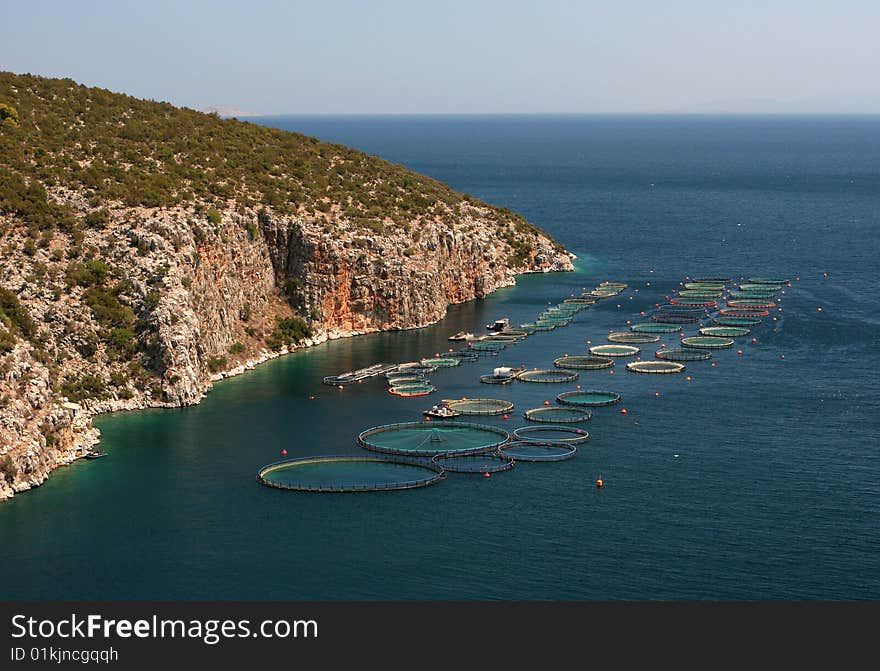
(773, 495)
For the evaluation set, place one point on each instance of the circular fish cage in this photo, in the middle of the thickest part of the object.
(701, 285)
(514, 333)
(694, 302)
(539, 450)
(440, 362)
(413, 369)
(583, 362)
(683, 354)
(768, 280)
(725, 331)
(707, 342)
(700, 293)
(423, 439)
(760, 287)
(504, 340)
(528, 328)
(743, 312)
(404, 375)
(488, 346)
(712, 280)
(489, 378)
(547, 376)
(613, 350)
(593, 398)
(614, 285)
(557, 414)
(628, 337)
(654, 328)
(759, 295)
(585, 302)
(551, 434)
(751, 303)
(462, 355)
(412, 389)
(675, 319)
(348, 474)
(656, 367)
(479, 406)
(736, 321)
(407, 379)
(542, 325)
(476, 464)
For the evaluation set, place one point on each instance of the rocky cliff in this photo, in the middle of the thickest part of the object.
(119, 297)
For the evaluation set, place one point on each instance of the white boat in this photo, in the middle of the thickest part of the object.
(499, 324)
(461, 335)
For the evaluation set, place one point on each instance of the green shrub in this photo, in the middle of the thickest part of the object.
(213, 216)
(81, 388)
(236, 348)
(217, 363)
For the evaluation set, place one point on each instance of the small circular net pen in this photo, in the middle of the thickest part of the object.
(736, 321)
(743, 312)
(440, 362)
(613, 350)
(539, 450)
(594, 398)
(463, 355)
(751, 303)
(653, 328)
(547, 376)
(412, 389)
(655, 367)
(585, 302)
(584, 362)
(763, 295)
(542, 325)
(422, 439)
(768, 281)
(705, 285)
(557, 414)
(683, 355)
(489, 378)
(675, 318)
(760, 287)
(519, 334)
(487, 346)
(707, 342)
(503, 339)
(348, 474)
(528, 328)
(700, 293)
(552, 434)
(613, 285)
(479, 406)
(413, 369)
(476, 464)
(712, 280)
(628, 337)
(407, 379)
(693, 302)
(725, 331)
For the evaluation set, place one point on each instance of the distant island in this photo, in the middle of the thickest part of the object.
(148, 251)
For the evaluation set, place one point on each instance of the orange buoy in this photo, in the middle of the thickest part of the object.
(427, 419)
(505, 417)
(740, 352)
(600, 483)
(623, 411)
(283, 453)
(754, 340)
(662, 345)
(688, 378)
(546, 402)
(339, 387)
(611, 372)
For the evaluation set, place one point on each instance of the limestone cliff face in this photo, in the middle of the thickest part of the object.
(207, 295)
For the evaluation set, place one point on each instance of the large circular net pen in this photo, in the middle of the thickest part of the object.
(556, 414)
(412, 389)
(760, 287)
(705, 285)
(348, 474)
(589, 398)
(478, 464)
(407, 379)
(654, 328)
(736, 321)
(421, 439)
(683, 355)
(487, 346)
(725, 331)
(694, 302)
(479, 406)
(696, 293)
(552, 434)
(630, 338)
(707, 342)
(548, 376)
(753, 294)
(537, 450)
(655, 367)
(583, 362)
(461, 354)
(441, 362)
(613, 350)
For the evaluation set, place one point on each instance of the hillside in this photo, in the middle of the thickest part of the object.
(147, 250)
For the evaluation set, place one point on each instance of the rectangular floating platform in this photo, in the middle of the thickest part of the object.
(352, 377)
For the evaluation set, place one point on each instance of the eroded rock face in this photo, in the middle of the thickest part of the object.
(207, 297)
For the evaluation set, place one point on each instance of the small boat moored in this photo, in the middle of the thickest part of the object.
(499, 324)
(95, 454)
(441, 411)
(462, 335)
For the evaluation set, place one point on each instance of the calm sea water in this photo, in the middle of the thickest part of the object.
(775, 493)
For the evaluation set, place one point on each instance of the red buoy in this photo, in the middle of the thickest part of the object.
(623, 411)
(546, 402)
(740, 352)
(283, 453)
(487, 474)
(506, 417)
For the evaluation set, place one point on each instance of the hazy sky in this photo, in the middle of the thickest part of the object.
(453, 56)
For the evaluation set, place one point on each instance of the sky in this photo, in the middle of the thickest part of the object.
(460, 57)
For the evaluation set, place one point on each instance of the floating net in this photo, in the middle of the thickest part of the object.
(557, 414)
(659, 367)
(725, 331)
(528, 328)
(736, 321)
(542, 325)
(414, 369)
(490, 462)
(412, 389)
(550, 375)
(583, 362)
(711, 280)
(760, 287)
(348, 474)
(589, 398)
(586, 302)
(440, 362)
(487, 346)
(479, 406)
(496, 379)
(613, 350)
(654, 328)
(767, 280)
(743, 312)
(696, 293)
(751, 303)
(694, 302)
(614, 285)
(536, 450)
(407, 379)
(504, 340)
(427, 439)
(764, 295)
(682, 355)
(514, 333)
(462, 355)
(707, 342)
(675, 319)
(604, 293)
(551, 434)
(633, 338)
(705, 285)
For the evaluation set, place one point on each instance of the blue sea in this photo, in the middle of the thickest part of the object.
(759, 478)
